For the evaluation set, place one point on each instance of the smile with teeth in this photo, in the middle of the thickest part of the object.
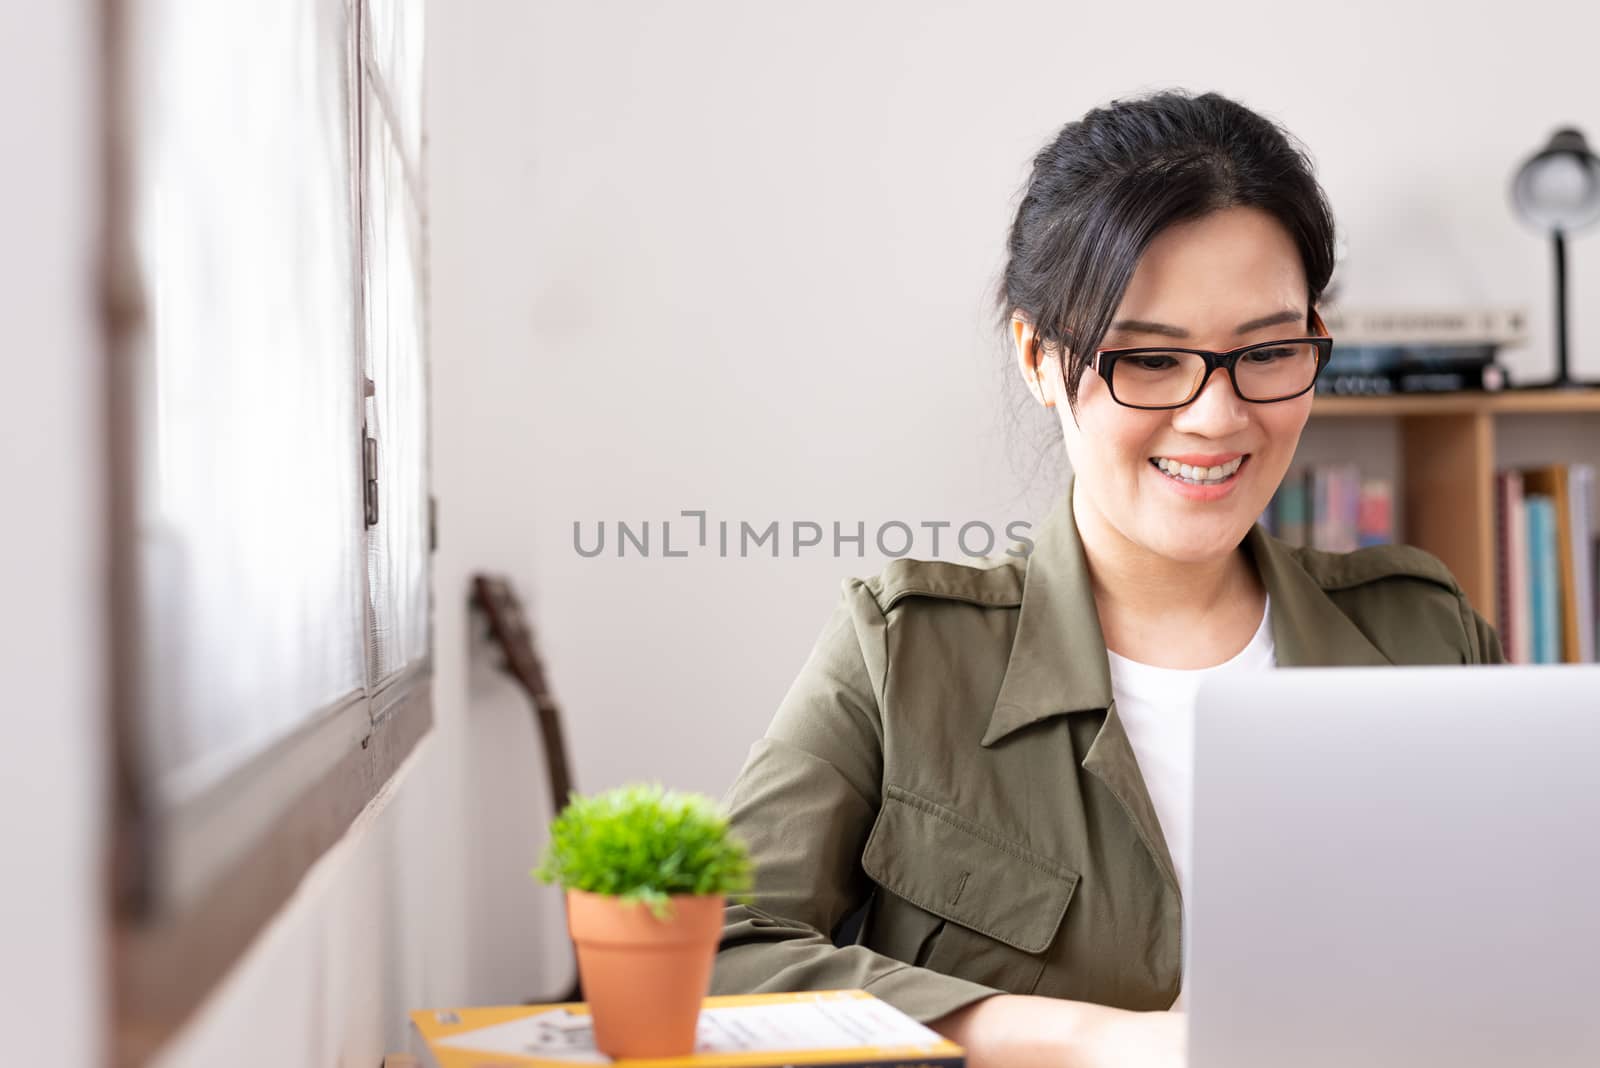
(1197, 476)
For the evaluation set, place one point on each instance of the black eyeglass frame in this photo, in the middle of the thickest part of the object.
(1105, 362)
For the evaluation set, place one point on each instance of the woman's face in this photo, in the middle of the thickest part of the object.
(1197, 284)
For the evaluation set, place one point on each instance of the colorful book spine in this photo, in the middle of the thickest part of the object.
(1344, 508)
(1594, 560)
(1290, 513)
(1333, 508)
(1551, 481)
(1520, 649)
(1581, 510)
(1544, 578)
(1503, 622)
(1335, 502)
(1376, 523)
(1349, 518)
(1511, 567)
(1319, 507)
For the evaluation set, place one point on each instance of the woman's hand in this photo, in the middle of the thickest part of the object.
(1010, 1031)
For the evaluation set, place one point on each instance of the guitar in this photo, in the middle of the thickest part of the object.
(508, 627)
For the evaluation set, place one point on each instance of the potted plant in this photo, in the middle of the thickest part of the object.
(646, 871)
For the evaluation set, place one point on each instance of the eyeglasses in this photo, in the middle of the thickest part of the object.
(1155, 379)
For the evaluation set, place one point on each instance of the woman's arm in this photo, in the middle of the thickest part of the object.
(1010, 1031)
(805, 802)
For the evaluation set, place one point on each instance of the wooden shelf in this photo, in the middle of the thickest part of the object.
(1506, 403)
(1447, 446)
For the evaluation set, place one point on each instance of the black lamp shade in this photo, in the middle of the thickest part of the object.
(1558, 189)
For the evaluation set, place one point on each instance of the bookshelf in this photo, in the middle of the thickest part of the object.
(1447, 461)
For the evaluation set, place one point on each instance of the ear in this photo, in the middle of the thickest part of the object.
(1033, 361)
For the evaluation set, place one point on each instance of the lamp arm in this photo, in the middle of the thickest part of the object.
(1560, 240)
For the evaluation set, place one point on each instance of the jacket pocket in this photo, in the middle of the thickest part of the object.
(1001, 903)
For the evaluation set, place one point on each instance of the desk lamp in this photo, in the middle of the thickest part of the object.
(1558, 191)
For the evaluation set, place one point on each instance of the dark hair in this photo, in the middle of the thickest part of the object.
(1108, 183)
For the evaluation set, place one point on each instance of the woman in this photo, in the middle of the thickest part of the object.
(990, 761)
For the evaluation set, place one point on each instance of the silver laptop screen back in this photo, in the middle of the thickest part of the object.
(1397, 866)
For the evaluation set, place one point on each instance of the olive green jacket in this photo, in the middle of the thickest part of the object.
(950, 756)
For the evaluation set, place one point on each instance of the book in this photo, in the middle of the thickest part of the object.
(1334, 507)
(1376, 524)
(1319, 506)
(1322, 504)
(1502, 560)
(1408, 350)
(1521, 577)
(1347, 508)
(842, 1028)
(1289, 514)
(1594, 561)
(1581, 495)
(1551, 481)
(1383, 369)
(1544, 584)
(1427, 325)
(1513, 618)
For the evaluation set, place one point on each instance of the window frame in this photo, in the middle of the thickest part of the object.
(192, 885)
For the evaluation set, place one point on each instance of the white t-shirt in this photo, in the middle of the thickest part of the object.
(1156, 707)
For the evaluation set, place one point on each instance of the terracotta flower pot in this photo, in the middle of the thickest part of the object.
(644, 978)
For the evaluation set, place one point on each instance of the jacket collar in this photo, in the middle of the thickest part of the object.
(1058, 659)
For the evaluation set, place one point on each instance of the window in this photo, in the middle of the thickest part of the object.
(270, 507)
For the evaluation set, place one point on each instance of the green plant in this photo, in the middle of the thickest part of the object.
(643, 843)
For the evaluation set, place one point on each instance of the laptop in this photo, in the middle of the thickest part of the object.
(1396, 866)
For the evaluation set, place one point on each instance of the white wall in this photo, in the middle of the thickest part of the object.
(51, 639)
